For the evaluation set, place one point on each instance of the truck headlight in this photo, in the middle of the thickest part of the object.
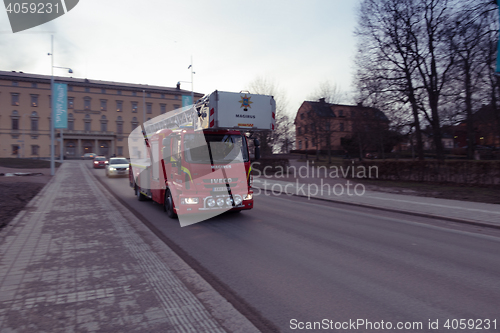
(248, 196)
(237, 200)
(189, 201)
(220, 202)
(210, 202)
(229, 201)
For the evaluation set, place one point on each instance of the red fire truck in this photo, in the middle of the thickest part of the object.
(195, 161)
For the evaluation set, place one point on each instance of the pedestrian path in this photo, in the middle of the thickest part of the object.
(464, 211)
(77, 260)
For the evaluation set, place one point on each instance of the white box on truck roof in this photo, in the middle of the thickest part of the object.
(243, 111)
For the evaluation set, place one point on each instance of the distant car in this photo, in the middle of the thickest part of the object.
(117, 166)
(88, 156)
(99, 162)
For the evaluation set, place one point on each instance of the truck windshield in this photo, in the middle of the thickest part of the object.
(219, 148)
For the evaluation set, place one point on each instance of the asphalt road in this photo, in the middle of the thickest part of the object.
(290, 258)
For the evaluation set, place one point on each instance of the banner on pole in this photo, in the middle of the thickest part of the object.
(186, 100)
(60, 104)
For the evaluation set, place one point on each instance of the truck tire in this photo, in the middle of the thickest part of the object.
(168, 205)
(140, 196)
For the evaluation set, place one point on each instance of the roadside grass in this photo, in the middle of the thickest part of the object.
(463, 192)
(25, 163)
(436, 190)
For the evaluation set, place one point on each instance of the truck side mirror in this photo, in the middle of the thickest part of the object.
(257, 153)
(166, 153)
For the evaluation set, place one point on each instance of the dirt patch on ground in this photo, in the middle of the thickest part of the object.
(17, 191)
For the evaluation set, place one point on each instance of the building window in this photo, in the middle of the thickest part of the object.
(71, 122)
(15, 120)
(176, 106)
(71, 102)
(327, 127)
(119, 106)
(149, 108)
(34, 121)
(15, 83)
(148, 95)
(87, 89)
(15, 99)
(35, 149)
(119, 151)
(163, 108)
(299, 131)
(176, 97)
(86, 103)
(34, 85)
(34, 100)
(162, 95)
(104, 124)
(134, 93)
(341, 127)
(70, 88)
(118, 92)
(15, 150)
(104, 104)
(135, 123)
(300, 144)
(134, 107)
(341, 113)
(301, 116)
(119, 125)
(87, 123)
(103, 91)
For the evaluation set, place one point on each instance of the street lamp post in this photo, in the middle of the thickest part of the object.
(192, 80)
(52, 116)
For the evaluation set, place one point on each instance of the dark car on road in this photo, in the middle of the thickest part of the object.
(89, 156)
(100, 162)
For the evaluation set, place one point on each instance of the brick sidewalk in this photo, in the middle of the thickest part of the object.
(76, 260)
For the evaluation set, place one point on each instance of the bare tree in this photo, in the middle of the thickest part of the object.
(331, 93)
(387, 62)
(470, 39)
(281, 139)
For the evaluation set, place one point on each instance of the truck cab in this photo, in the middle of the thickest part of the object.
(200, 168)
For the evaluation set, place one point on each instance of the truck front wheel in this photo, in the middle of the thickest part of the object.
(140, 196)
(168, 205)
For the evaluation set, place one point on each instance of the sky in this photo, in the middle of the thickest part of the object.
(295, 44)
